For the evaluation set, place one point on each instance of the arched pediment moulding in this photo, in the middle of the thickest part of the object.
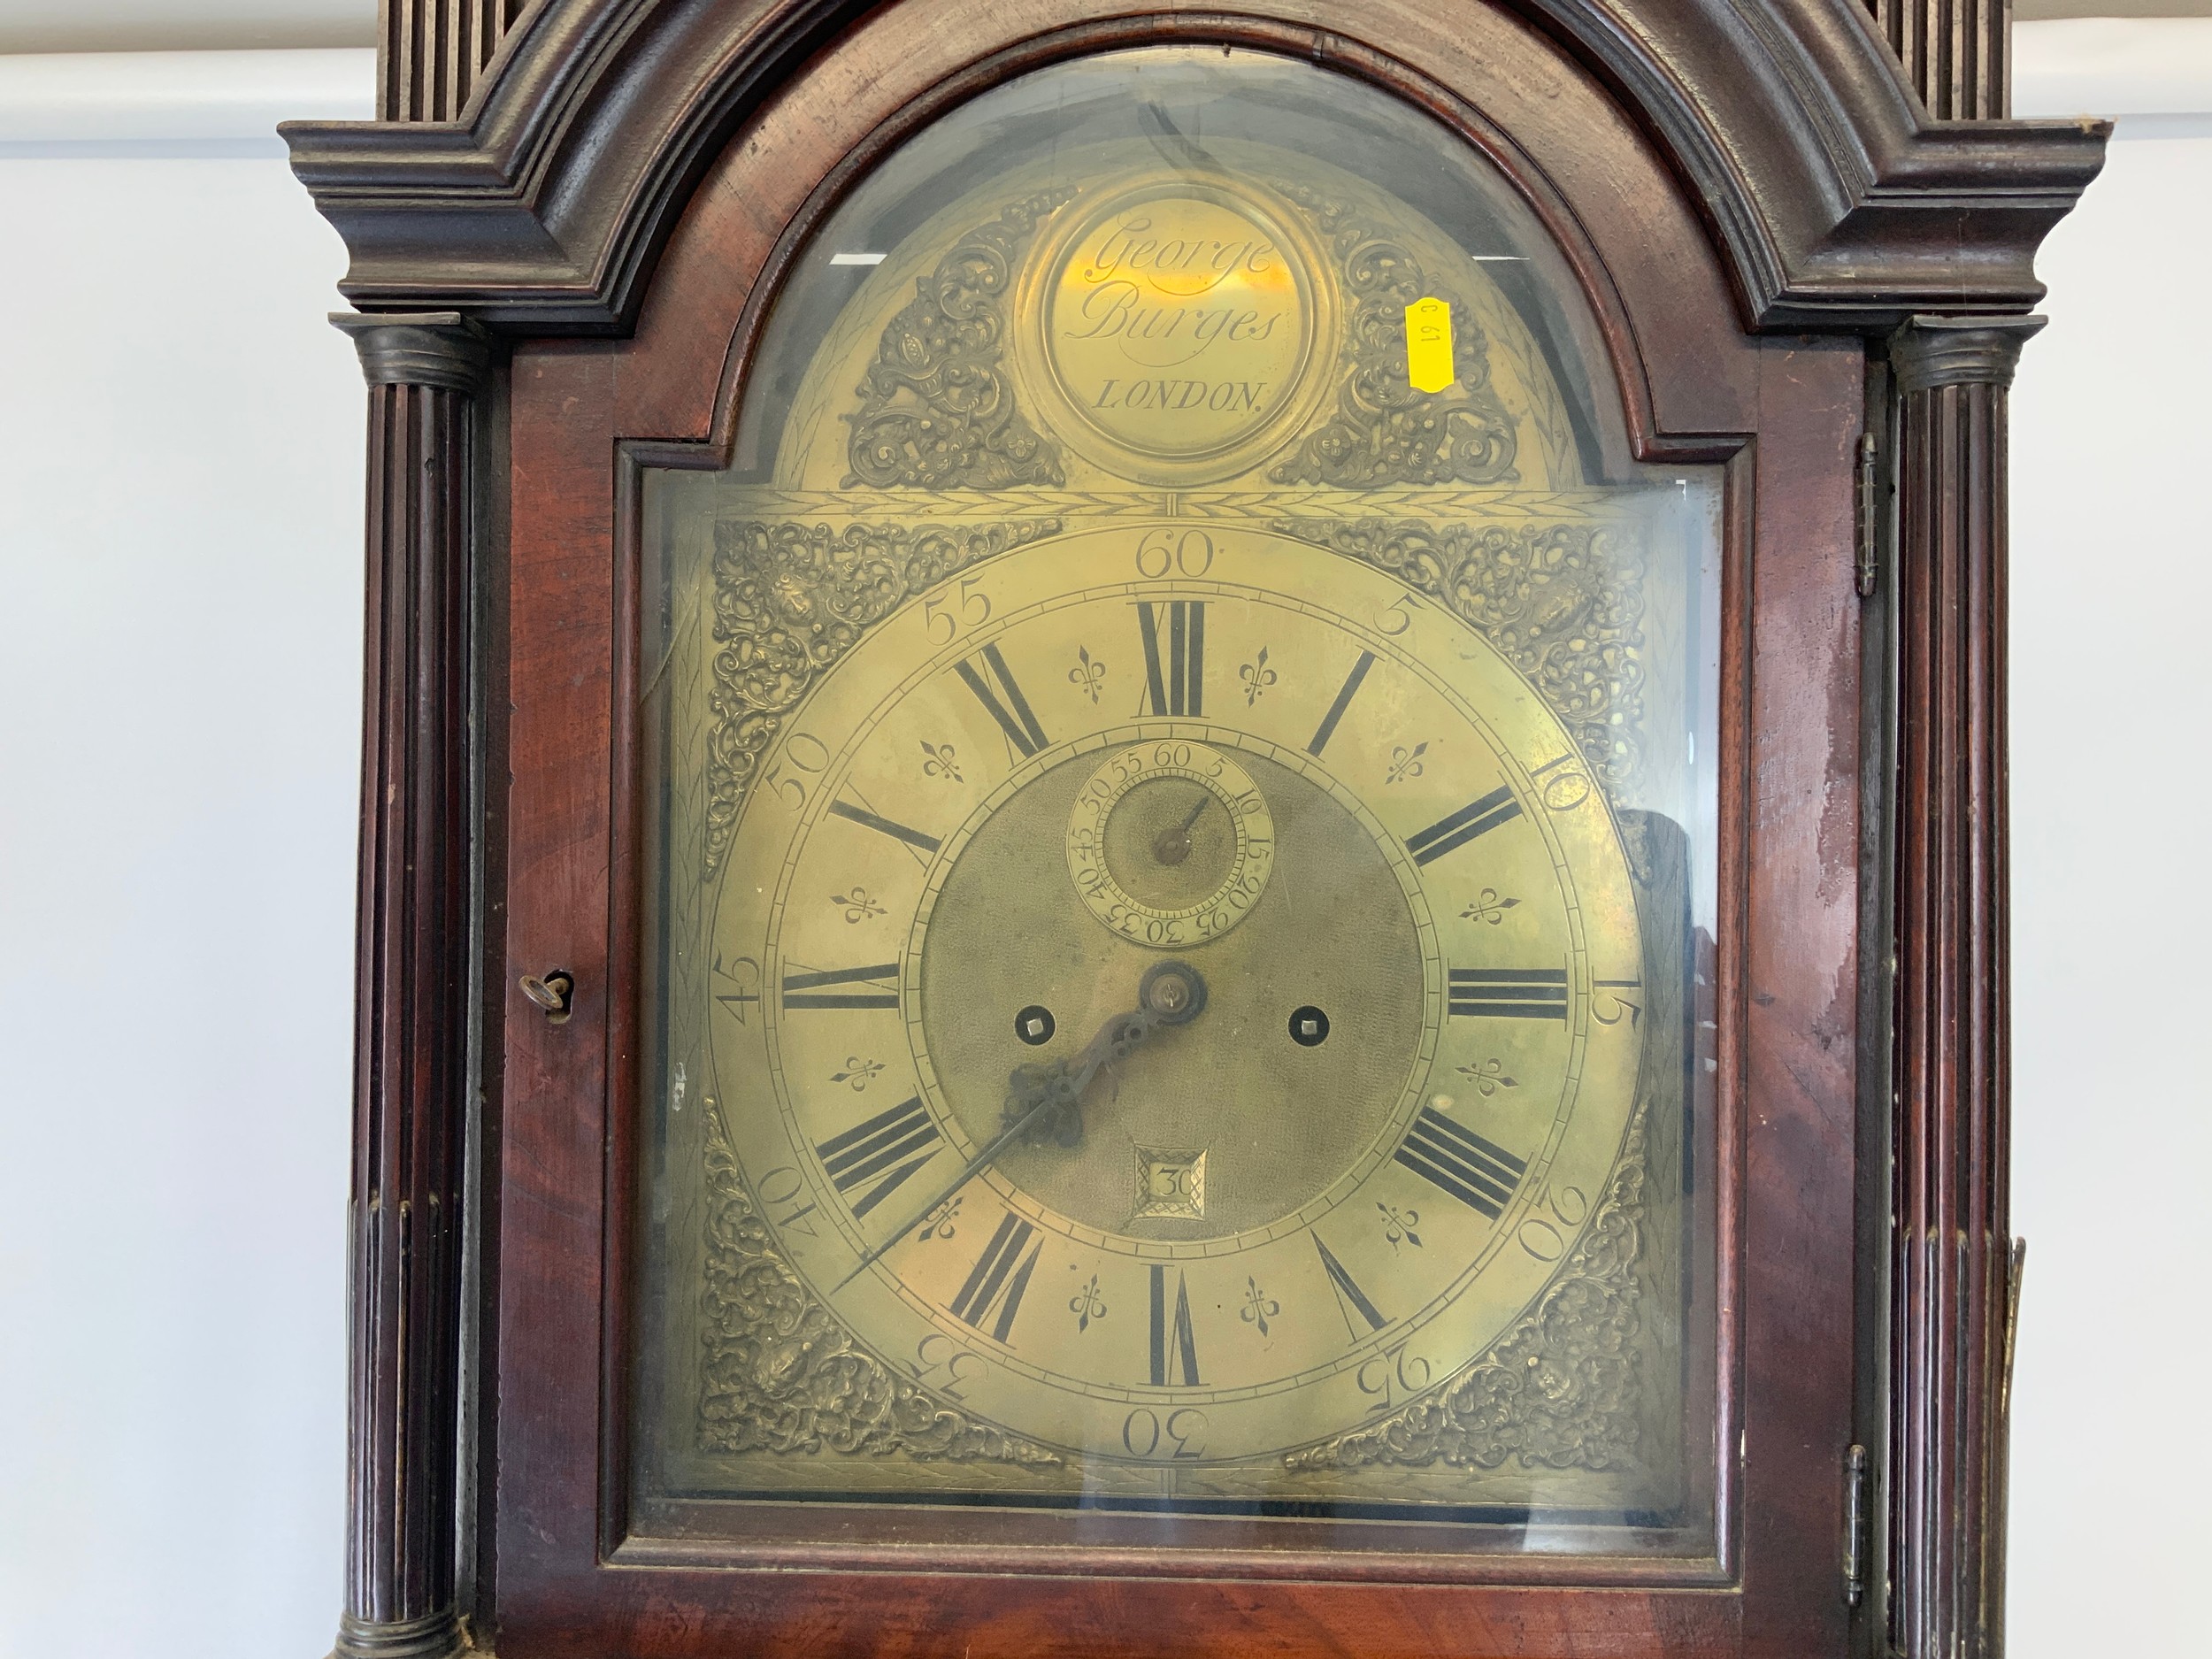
(1832, 201)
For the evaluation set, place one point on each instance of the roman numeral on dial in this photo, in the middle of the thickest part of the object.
(809, 990)
(1461, 1162)
(1345, 694)
(994, 688)
(996, 1285)
(1174, 1344)
(897, 831)
(1456, 830)
(1351, 1299)
(1509, 993)
(875, 1157)
(1180, 687)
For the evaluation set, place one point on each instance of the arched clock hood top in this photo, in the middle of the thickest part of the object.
(1835, 202)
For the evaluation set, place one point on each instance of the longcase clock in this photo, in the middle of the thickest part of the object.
(1183, 829)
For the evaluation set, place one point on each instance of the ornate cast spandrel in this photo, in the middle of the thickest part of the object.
(1562, 1390)
(1384, 430)
(781, 1375)
(790, 600)
(937, 405)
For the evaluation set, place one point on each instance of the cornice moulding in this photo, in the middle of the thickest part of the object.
(1835, 203)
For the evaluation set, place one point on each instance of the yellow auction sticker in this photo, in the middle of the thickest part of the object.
(1429, 345)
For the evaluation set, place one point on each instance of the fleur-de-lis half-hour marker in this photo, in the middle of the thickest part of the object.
(1258, 1308)
(1489, 907)
(1488, 1078)
(1405, 763)
(1399, 1225)
(856, 904)
(857, 1071)
(1087, 1305)
(1088, 676)
(937, 1223)
(938, 762)
(1258, 677)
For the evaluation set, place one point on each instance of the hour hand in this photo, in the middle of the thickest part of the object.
(1048, 1097)
(1042, 1104)
(1044, 1100)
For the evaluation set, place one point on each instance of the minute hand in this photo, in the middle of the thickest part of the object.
(1050, 1095)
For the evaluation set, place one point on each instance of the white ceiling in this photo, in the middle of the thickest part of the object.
(89, 25)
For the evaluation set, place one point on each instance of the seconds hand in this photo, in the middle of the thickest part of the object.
(1170, 994)
(1172, 846)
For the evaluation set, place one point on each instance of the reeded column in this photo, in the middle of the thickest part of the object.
(434, 52)
(1953, 1266)
(412, 989)
(1957, 54)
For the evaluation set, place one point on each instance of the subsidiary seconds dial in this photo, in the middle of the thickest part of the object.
(1170, 843)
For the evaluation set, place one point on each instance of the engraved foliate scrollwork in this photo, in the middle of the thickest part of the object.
(937, 405)
(1384, 431)
(1559, 1390)
(1564, 603)
(791, 599)
(783, 1376)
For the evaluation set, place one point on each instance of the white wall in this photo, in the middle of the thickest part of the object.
(178, 675)
(2112, 910)
(180, 438)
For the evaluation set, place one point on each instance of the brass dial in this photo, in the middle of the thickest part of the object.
(1383, 875)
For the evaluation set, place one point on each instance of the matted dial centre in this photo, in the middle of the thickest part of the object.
(1259, 1125)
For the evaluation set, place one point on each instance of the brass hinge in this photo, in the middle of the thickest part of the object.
(1869, 519)
(2015, 1265)
(1855, 1525)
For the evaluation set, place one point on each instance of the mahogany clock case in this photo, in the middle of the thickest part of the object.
(577, 444)
(669, 1540)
